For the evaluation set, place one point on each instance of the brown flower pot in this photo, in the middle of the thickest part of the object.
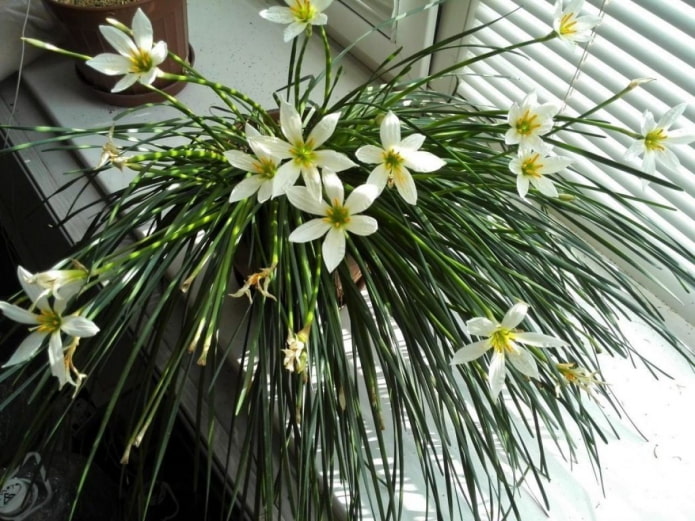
(169, 22)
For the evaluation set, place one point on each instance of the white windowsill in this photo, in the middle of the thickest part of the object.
(644, 481)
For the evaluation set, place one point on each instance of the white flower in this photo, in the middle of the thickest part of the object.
(337, 217)
(570, 26)
(528, 121)
(300, 15)
(137, 58)
(504, 340)
(304, 154)
(49, 323)
(656, 140)
(531, 167)
(60, 284)
(263, 166)
(395, 158)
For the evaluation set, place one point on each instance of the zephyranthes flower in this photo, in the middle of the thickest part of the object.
(337, 217)
(295, 354)
(529, 121)
(570, 25)
(657, 139)
(138, 57)
(303, 154)
(531, 168)
(579, 376)
(395, 157)
(49, 323)
(259, 280)
(262, 166)
(56, 283)
(300, 15)
(505, 341)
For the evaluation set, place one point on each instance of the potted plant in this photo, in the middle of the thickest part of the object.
(82, 18)
(457, 218)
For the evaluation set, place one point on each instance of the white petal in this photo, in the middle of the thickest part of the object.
(390, 131)
(323, 130)
(27, 349)
(379, 177)
(554, 164)
(271, 146)
(333, 248)
(361, 198)
(336, 161)
(539, 340)
(120, 41)
(649, 162)
(110, 64)
(246, 188)
(293, 30)
(421, 161)
(545, 186)
(146, 78)
(125, 82)
(496, 374)
(265, 191)
(522, 185)
(481, 326)
(18, 314)
(412, 142)
(321, 5)
(159, 53)
(142, 30)
(302, 198)
(291, 123)
(33, 291)
(405, 184)
(309, 231)
(669, 159)
(370, 154)
(312, 180)
(524, 362)
(362, 225)
(285, 177)
(334, 187)
(670, 117)
(277, 14)
(515, 315)
(80, 327)
(470, 352)
(241, 160)
(56, 359)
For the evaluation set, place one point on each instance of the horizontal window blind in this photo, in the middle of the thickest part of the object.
(636, 39)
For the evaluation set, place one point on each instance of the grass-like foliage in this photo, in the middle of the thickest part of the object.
(353, 343)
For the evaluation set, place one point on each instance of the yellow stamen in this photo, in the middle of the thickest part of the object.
(568, 24)
(654, 139)
(527, 123)
(337, 215)
(303, 11)
(530, 167)
(49, 321)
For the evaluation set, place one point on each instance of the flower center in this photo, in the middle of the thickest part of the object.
(653, 140)
(141, 62)
(530, 167)
(265, 167)
(392, 161)
(303, 11)
(337, 215)
(568, 24)
(501, 340)
(527, 123)
(303, 155)
(49, 321)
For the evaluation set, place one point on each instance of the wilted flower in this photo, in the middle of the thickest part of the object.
(579, 376)
(60, 284)
(300, 15)
(260, 281)
(504, 340)
(296, 354)
(338, 217)
(263, 167)
(395, 157)
(138, 57)
(656, 140)
(531, 168)
(570, 25)
(304, 155)
(49, 323)
(529, 121)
